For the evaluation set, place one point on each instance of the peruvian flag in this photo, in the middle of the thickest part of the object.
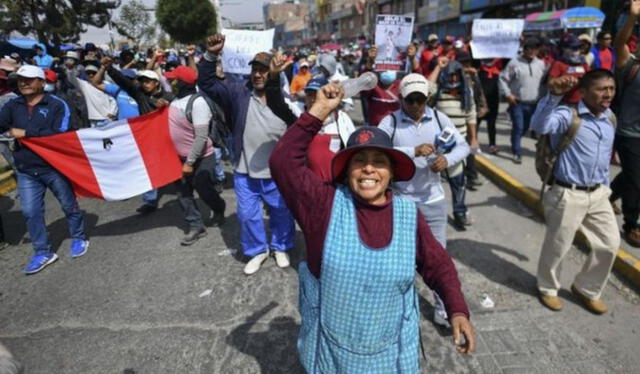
(117, 161)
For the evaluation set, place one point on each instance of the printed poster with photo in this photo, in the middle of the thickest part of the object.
(393, 35)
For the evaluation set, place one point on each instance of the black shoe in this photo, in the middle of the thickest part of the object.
(218, 220)
(475, 182)
(193, 235)
(517, 159)
(146, 209)
(460, 221)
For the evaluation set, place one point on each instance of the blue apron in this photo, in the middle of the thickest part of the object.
(361, 317)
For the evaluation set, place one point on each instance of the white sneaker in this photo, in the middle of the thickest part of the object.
(282, 259)
(440, 318)
(254, 264)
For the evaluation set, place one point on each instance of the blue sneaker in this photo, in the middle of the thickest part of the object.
(38, 262)
(78, 247)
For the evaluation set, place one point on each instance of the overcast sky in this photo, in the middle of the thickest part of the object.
(236, 10)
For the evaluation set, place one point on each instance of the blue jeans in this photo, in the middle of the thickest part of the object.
(250, 194)
(150, 198)
(520, 120)
(458, 193)
(218, 169)
(32, 188)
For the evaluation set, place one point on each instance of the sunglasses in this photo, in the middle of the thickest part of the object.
(415, 100)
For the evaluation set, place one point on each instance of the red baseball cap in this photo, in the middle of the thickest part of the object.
(50, 76)
(182, 73)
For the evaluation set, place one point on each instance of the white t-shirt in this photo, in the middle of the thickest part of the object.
(100, 106)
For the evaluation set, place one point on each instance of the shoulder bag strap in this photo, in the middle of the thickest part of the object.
(570, 134)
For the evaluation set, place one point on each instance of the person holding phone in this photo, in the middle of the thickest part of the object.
(415, 129)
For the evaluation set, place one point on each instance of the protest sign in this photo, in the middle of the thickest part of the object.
(393, 35)
(241, 45)
(496, 38)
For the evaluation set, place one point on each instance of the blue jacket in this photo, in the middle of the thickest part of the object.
(233, 97)
(44, 61)
(50, 116)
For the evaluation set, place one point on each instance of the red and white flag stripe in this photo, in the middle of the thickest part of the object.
(117, 161)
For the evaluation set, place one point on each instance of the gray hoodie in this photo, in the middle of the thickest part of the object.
(523, 79)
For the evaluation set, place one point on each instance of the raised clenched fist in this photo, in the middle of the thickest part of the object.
(215, 43)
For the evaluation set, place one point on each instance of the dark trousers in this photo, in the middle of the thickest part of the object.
(1, 230)
(492, 102)
(202, 180)
(457, 184)
(470, 167)
(627, 183)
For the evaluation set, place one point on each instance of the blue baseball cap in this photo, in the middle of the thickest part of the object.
(316, 83)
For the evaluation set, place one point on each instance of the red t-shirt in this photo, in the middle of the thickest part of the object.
(559, 68)
(320, 154)
(382, 102)
(425, 59)
(606, 59)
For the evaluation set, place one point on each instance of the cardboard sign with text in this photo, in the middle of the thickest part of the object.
(241, 45)
(493, 38)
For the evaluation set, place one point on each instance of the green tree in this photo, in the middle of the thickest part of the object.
(54, 21)
(134, 22)
(186, 21)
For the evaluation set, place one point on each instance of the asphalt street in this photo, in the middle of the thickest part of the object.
(136, 302)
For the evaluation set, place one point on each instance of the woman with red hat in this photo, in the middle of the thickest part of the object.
(357, 299)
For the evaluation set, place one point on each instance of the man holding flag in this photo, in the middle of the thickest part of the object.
(35, 114)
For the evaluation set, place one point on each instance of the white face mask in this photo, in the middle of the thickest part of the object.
(49, 87)
(573, 56)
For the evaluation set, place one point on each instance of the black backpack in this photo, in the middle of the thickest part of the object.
(219, 132)
(78, 112)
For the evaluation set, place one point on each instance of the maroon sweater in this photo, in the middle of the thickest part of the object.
(310, 201)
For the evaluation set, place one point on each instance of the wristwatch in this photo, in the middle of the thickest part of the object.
(190, 162)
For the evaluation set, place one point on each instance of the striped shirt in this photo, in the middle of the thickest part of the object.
(452, 107)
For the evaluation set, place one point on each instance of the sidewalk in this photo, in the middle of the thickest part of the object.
(523, 182)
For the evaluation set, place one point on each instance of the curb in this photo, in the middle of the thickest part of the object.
(7, 182)
(625, 264)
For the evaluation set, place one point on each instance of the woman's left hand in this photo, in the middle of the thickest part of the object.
(461, 325)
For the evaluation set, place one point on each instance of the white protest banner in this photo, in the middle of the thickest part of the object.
(241, 45)
(496, 38)
(393, 35)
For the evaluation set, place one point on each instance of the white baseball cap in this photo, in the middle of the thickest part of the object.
(432, 37)
(458, 44)
(150, 74)
(72, 54)
(92, 68)
(30, 71)
(414, 82)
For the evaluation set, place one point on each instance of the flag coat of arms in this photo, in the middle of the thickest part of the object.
(117, 161)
